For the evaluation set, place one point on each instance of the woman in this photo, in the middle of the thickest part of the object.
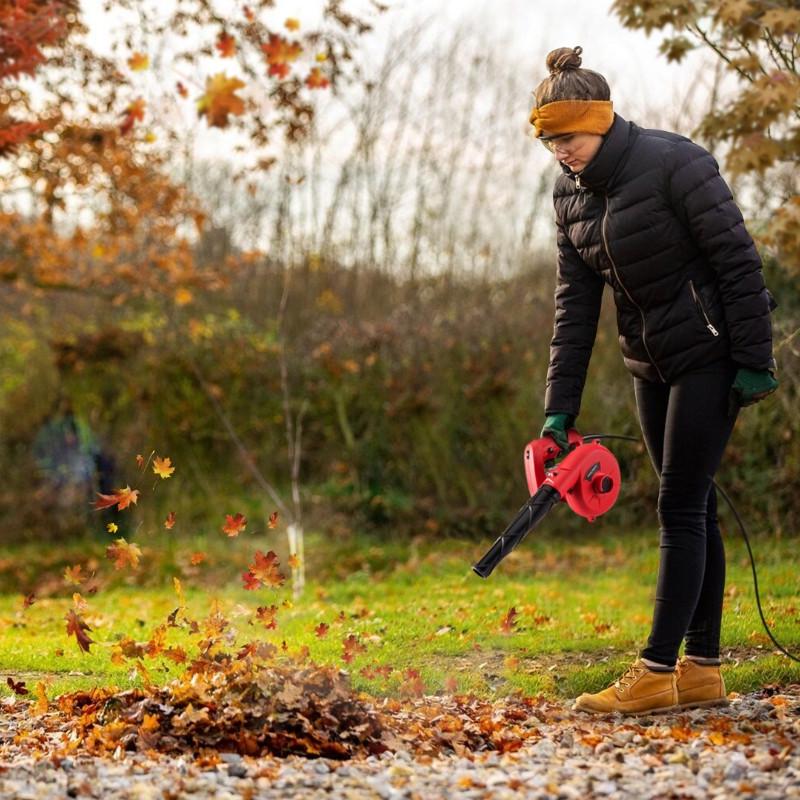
(647, 212)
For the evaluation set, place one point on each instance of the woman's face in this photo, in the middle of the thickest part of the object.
(575, 150)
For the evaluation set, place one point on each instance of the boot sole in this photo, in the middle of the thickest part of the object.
(645, 712)
(720, 701)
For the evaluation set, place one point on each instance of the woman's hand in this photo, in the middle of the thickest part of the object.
(752, 385)
(556, 426)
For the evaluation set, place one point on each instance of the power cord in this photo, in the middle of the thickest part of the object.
(598, 436)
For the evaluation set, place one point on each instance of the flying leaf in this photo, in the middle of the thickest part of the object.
(273, 520)
(234, 524)
(292, 24)
(220, 100)
(182, 90)
(509, 621)
(197, 558)
(316, 79)
(122, 498)
(266, 615)
(73, 575)
(279, 52)
(18, 687)
(351, 646)
(249, 581)
(163, 467)
(138, 62)
(176, 583)
(293, 561)
(265, 569)
(42, 704)
(226, 45)
(28, 600)
(132, 114)
(112, 527)
(321, 631)
(77, 627)
(140, 461)
(169, 522)
(123, 554)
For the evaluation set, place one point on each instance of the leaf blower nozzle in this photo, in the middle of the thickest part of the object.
(526, 520)
(587, 477)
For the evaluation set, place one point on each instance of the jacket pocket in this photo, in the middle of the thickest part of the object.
(702, 311)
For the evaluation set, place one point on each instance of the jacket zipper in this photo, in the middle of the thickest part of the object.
(699, 304)
(624, 289)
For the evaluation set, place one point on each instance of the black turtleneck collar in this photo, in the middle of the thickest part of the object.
(598, 172)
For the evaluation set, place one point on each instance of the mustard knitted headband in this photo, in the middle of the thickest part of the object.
(572, 116)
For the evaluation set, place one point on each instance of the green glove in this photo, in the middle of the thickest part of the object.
(556, 426)
(752, 385)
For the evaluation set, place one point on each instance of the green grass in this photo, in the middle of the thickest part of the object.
(584, 606)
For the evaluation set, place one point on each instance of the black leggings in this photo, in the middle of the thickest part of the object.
(686, 425)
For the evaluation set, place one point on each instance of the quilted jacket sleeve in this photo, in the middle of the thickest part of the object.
(703, 201)
(579, 293)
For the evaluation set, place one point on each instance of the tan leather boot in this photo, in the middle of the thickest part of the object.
(638, 691)
(699, 685)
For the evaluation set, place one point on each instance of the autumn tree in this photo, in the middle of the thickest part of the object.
(758, 41)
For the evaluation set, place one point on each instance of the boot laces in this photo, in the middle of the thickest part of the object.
(630, 676)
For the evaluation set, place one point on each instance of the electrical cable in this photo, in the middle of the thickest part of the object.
(598, 436)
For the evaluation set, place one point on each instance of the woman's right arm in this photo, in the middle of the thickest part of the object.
(578, 297)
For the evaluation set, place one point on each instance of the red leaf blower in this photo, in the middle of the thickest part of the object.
(587, 478)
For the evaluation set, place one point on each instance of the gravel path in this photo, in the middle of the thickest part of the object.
(749, 749)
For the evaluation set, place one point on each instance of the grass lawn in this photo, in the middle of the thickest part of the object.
(582, 609)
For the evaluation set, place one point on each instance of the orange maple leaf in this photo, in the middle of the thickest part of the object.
(292, 24)
(77, 627)
(138, 62)
(265, 569)
(273, 519)
(169, 522)
(220, 100)
(73, 574)
(122, 498)
(279, 52)
(226, 45)
(163, 467)
(123, 554)
(293, 561)
(234, 524)
(316, 79)
(197, 558)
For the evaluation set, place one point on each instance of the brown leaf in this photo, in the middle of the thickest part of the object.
(77, 627)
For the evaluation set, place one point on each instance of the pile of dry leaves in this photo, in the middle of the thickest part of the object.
(256, 705)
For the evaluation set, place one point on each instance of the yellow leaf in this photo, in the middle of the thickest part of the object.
(112, 527)
(138, 62)
(292, 24)
(163, 467)
(220, 100)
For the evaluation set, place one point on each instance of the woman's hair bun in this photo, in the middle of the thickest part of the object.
(564, 58)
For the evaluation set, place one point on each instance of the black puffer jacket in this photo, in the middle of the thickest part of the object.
(651, 216)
